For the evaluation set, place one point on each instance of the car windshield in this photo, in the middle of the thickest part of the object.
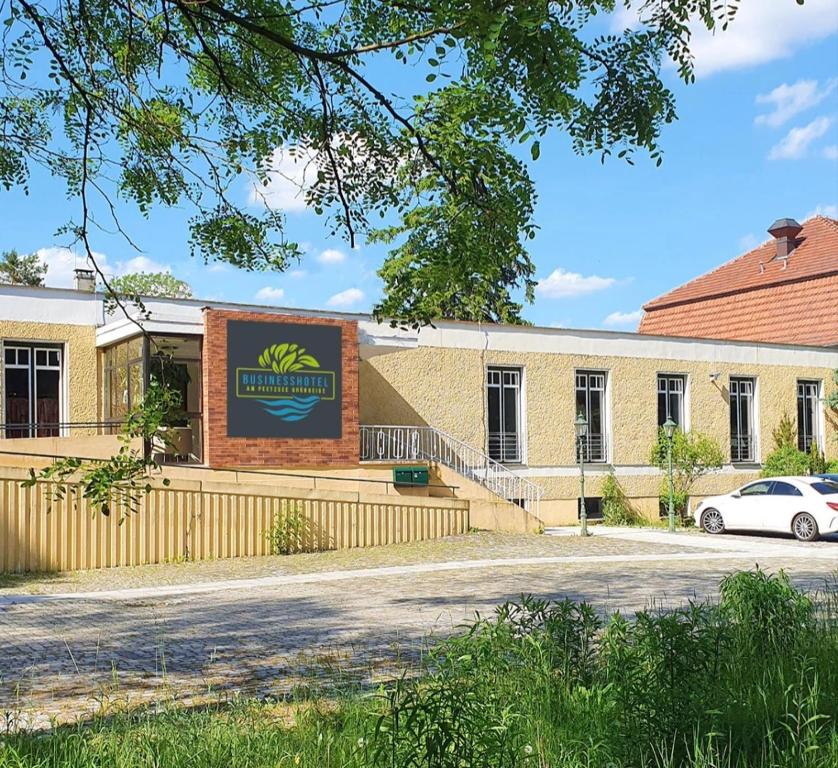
(826, 487)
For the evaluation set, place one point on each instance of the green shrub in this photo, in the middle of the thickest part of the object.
(817, 462)
(767, 612)
(287, 533)
(616, 507)
(694, 454)
(785, 433)
(785, 460)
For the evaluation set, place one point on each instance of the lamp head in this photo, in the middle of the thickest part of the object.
(669, 428)
(581, 425)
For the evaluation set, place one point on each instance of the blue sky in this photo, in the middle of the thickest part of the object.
(756, 140)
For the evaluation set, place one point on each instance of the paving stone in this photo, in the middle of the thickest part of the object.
(63, 659)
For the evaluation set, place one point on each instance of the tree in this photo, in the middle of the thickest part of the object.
(116, 484)
(176, 102)
(694, 454)
(151, 284)
(21, 270)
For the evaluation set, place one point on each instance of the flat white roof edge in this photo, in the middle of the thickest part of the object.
(448, 333)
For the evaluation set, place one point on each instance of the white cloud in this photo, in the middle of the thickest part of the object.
(297, 274)
(749, 242)
(62, 262)
(331, 256)
(795, 144)
(760, 32)
(291, 170)
(823, 210)
(787, 101)
(270, 294)
(623, 319)
(560, 284)
(139, 264)
(346, 298)
(831, 152)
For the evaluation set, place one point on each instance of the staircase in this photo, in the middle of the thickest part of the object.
(400, 443)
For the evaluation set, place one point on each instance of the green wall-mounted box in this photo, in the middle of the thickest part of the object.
(410, 476)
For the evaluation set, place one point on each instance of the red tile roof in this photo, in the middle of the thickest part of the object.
(755, 297)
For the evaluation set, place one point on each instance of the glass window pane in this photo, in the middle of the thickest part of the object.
(134, 348)
(47, 386)
(120, 354)
(10, 355)
(135, 384)
(510, 410)
(16, 391)
(757, 489)
(22, 356)
(186, 347)
(595, 420)
(193, 388)
(494, 409)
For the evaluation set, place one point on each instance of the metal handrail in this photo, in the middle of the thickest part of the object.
(414, 443)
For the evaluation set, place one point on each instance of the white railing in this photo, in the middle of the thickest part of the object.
(400, 443)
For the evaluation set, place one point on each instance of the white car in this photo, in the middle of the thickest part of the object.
(804, 506)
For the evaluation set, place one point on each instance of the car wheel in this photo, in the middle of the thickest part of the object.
(712, 521)
(804, 527)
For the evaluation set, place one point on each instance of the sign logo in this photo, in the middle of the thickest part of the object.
(284, 379)
(288, 384)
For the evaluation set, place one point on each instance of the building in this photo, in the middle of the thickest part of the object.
(489, 407)
(785, 291)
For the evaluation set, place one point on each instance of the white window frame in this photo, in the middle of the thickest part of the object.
(521, 455)
(754, 417)
(817, 411)
(685, 396)
(34, 345)
(606, 410)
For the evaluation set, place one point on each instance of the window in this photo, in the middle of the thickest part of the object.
(808, 413)
(593, 508)
(32, 389)
(671, 399)
(590, 402)
(175, 361)
(784, 489)
(826, 487)
(503, 394)
(762, 488)
(123, 378)
(742, 441)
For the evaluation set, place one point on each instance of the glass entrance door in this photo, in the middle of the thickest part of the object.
(31, 390)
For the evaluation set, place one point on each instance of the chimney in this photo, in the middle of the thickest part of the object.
(784, 232)
(84, 280)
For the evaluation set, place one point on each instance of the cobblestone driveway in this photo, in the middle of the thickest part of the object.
(68, 657)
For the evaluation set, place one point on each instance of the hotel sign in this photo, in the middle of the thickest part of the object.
(283, 380)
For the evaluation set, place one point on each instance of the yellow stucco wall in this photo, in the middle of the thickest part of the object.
(444, 388)
(80, 354)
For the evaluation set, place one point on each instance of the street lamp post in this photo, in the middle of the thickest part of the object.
(581, 427)
(669, 430)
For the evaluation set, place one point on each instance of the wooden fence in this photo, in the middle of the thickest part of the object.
(201, 520)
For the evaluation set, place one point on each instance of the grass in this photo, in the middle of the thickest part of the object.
(747, 682)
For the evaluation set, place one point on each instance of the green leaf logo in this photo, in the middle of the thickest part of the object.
(284, 358)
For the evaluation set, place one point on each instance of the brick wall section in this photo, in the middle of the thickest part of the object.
(223, 451)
